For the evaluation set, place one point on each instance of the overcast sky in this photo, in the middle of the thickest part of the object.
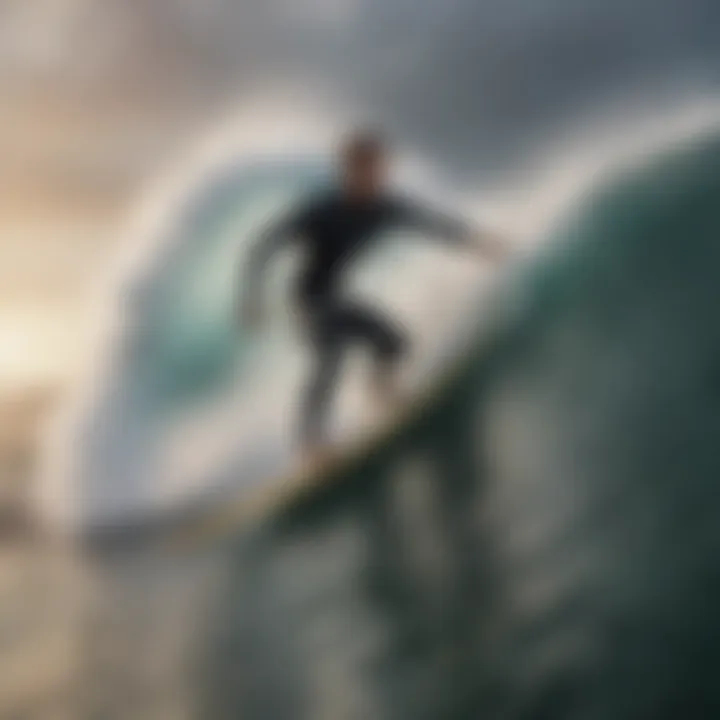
(473, 81)
(96, 96)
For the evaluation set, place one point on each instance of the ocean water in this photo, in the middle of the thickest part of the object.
(539, 540)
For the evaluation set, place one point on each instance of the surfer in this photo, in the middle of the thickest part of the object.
(332, 229)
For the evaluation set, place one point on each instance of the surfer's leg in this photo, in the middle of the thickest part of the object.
(327, 350)
(389, 347)
(333, 325)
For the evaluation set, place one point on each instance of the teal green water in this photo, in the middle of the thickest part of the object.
(190, 342)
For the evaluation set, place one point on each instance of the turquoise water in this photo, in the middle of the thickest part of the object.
(190, 340)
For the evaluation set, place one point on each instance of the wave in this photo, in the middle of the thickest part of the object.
(180, 403)
(177, 403)
(544, 543)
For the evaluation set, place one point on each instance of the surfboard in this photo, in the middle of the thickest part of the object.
(226, 519)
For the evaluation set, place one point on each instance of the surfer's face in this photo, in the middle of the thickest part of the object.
(365, 174)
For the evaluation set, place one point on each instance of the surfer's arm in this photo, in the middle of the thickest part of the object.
(460, 233)
(274, 238)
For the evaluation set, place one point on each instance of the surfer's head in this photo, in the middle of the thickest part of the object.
(363, 160)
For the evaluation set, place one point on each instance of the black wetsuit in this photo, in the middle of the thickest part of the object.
(333, 230)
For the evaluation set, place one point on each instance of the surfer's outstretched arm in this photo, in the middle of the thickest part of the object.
(429, 221)
(270, 241)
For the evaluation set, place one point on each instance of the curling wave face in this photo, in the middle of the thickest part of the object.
(182, 402)
(173, 348)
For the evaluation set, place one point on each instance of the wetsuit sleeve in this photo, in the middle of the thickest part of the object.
(274, 237)
(416, 216)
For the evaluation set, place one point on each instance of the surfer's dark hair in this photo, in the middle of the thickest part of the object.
(363, 145)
